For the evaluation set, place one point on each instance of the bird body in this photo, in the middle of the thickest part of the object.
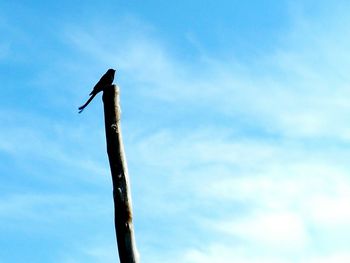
(106, 80)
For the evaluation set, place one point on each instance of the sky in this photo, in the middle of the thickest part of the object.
(235, 119)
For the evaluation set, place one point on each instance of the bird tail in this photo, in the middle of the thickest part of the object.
(81, 108)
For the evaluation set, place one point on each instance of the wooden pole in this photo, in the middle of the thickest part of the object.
(121, 187)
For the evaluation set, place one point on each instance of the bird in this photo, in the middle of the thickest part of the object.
(106, 80)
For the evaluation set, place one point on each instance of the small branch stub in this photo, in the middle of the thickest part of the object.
(121, 186)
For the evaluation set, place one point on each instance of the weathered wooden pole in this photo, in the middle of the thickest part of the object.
(121, 186)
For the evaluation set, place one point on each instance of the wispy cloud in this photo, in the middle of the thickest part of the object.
(296, 90)
(96, 249)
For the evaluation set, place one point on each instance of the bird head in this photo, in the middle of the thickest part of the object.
(111, 71)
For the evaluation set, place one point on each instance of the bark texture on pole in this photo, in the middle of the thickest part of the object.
(121, 187)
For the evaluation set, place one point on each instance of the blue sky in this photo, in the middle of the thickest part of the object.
(235, 124)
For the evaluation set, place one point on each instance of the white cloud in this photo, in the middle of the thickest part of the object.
(223, 254)
(98, 249)
(57, 142)
(297, 90)
(331, 211)
(278, 229)
(332, 258)
(270, 195)
(45, 209)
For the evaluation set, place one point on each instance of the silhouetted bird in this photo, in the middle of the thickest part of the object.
(106, 80)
